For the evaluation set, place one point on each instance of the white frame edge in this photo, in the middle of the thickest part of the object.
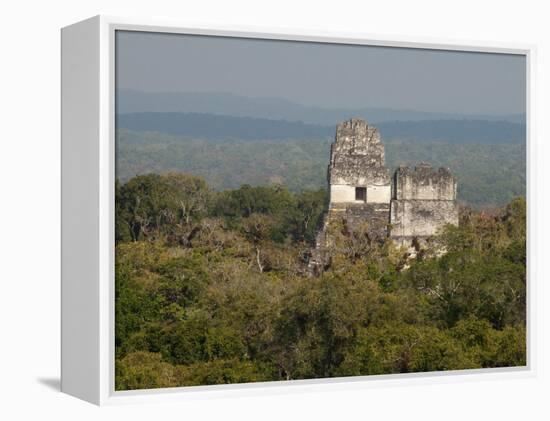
(87, 293)
(80, 121)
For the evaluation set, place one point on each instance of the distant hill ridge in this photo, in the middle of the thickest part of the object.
(131, 101)
(223, 127)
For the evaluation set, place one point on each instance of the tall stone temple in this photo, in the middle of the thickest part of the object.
(410, 205)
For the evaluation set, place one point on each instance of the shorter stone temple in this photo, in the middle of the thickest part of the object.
(423, 200)
(409, 207)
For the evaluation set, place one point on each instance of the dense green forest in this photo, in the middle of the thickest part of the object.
(212, 287)
(488, 174)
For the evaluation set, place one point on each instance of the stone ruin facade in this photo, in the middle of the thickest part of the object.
(409, 207)
(423, 200)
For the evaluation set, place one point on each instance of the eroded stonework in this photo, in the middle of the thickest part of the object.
(424, 183)
(412, 205)
(357, 160)
(424, 200)
(357, 155)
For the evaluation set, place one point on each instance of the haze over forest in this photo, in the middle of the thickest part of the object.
(274, 108)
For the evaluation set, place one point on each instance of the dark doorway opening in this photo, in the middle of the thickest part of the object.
(361, 194)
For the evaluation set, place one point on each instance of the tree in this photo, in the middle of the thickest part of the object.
(401, 348)
(144, 370)
(258, 228)
(151, 205)
(306, 217)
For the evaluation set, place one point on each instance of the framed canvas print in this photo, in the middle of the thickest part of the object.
(246, 210)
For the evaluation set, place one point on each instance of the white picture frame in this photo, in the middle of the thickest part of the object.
(88, 133)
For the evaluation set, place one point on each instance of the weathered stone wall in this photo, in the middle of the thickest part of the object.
(340, 193)
(355, 137)
(424, 200)
(357, 156)
(351, 171)
(420, 218)
(374, 215)
(378, 194)
(424, 183)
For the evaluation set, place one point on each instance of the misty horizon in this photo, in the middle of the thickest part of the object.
(323, 75)
(323, 107)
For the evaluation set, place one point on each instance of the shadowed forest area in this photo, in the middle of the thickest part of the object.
(212, 287)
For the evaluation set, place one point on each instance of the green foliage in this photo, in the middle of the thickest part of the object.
(144, 370)
(403, 348)
(488, 174)
(247, 200)
(223, 372)
(461, 285)
(219, 293)
(290, 215)
(148, 203)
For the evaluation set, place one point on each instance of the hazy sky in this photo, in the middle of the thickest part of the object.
(328, 75)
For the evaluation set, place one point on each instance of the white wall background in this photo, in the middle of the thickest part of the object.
(30, 221)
